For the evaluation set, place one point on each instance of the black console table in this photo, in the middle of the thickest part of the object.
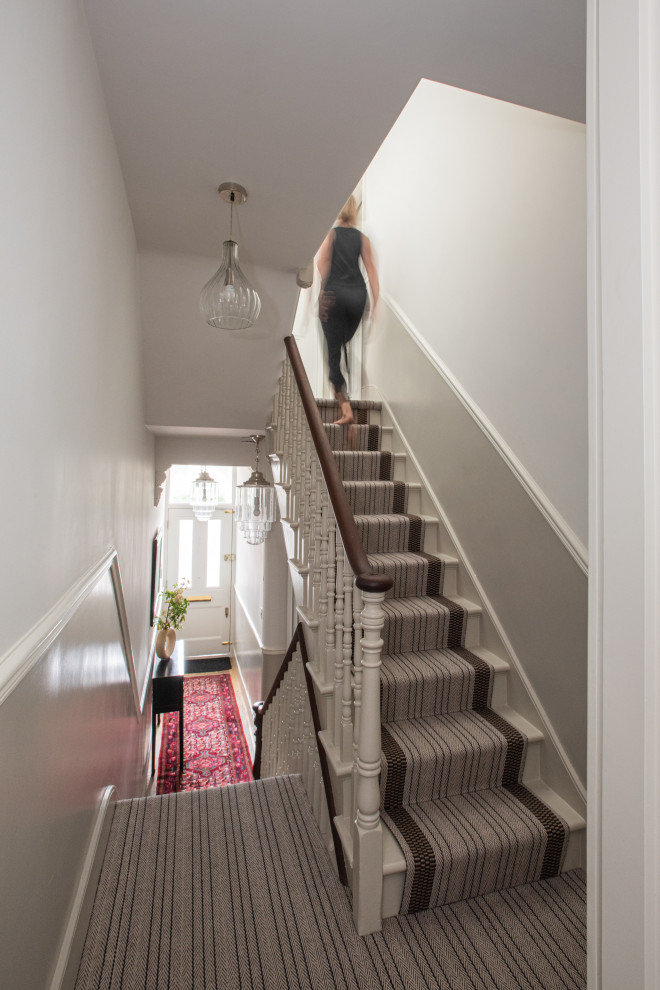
(167, 685)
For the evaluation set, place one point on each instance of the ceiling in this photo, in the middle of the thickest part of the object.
(292, 99)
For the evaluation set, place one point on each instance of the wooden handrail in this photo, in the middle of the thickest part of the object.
(365, 578)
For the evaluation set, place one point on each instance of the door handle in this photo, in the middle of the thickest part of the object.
(230, 556)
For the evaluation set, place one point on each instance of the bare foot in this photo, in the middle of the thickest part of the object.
(346, 417)
(345, 420)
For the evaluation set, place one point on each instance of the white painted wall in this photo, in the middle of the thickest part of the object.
(77, 467)
(77, 460)
(195, 375)
(624, 710)
(476, 210)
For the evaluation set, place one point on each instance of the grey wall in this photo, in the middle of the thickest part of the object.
(477, 212)
(537, 590)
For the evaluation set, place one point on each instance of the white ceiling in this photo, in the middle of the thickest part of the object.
(293, 99)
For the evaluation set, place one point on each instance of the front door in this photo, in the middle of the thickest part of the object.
(199, 554)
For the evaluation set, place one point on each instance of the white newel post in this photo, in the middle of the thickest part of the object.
(368, 833)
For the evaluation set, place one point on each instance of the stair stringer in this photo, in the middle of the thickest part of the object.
(556, 769)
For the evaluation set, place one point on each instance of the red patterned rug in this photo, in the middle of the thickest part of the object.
(215, 751)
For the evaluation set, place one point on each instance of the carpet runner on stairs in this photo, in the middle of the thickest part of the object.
(451, 767)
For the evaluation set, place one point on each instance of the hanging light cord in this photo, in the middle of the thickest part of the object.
(231, 214)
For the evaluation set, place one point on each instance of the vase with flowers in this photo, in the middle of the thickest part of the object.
(170, 619)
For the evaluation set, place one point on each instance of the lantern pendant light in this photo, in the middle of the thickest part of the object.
(228, 301)
(205, 496)
(255, 502)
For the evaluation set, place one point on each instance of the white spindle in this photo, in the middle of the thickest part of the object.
(367, 831)
(330, 623)
(347, 658)
(323, 590)
(339, 640)
(357, 684)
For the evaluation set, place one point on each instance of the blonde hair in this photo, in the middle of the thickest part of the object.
(348, 212)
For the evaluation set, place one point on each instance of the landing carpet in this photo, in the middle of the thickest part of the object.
(215, 752)
(232, 889)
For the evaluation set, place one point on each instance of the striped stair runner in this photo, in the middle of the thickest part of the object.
(451, 767)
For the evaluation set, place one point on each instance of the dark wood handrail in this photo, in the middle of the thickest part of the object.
(365, 578)
(260, 709)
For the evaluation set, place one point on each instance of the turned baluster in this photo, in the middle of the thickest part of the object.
(330, 584)
(367, 831)
(297, 506)
(323, 576)
(357, 682)
(347, 658)
(306, 527)
(287, 432)
(339, 639)
(317, 539)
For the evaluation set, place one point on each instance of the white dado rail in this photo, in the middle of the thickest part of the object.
(339, 600)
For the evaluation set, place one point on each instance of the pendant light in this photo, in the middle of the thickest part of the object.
(205, 496)
(228, 301)
(255, 502)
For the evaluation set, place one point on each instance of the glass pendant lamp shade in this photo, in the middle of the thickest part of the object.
(228, 301)
(255, 504)
(205, 496)
(255, 508)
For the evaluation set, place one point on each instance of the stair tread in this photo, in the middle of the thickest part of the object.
(358, 436)
(377, 497)
(423, 623)
(464, 845)
(425, 682)
(391, 532)
(413, 572)
(355, 404)
(454, 753)
(364, 465)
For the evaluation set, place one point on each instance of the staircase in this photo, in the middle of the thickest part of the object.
(459, 808)
(452, 768)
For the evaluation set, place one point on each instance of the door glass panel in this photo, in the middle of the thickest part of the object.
(184, 575)
(213, 553)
